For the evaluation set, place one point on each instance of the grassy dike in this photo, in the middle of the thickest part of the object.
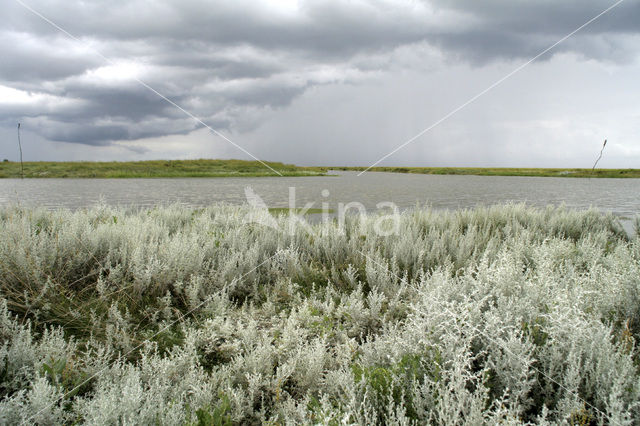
(174, 316)
(484, 171)
(153, 169)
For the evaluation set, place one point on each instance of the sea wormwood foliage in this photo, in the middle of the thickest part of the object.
(177, 316)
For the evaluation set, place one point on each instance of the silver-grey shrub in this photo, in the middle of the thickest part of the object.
(507, 314)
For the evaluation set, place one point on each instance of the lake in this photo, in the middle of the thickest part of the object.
(618, 196)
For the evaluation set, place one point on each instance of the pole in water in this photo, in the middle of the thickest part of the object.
(20, 146)
(594, 164)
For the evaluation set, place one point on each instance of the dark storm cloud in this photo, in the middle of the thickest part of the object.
(134, 103)
(548, 16)
(222, 59)
(329, 27)
(332, 29)
(507, 30)
(27, 59)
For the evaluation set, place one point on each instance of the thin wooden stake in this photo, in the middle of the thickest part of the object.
(20, 146)
(594, 164)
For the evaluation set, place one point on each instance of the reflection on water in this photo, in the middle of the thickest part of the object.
(619, 196)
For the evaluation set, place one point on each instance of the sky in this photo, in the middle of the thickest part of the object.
(323, 82)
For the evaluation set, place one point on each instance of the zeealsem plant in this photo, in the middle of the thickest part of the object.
(178, 316)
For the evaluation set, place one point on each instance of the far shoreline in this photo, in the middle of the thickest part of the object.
(503, 171)
(205, 168)
(201, 168)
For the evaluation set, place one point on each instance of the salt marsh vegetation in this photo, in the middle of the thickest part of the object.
(153, 169)
(505, 314)
(505, 171)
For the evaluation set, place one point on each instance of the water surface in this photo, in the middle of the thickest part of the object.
(618, 196)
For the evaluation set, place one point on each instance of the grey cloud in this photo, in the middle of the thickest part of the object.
(319, 26)
(548, 16)
(102, 132)
(27, 59)
(82, 132)
(507, 30)
(329, 29)
(224, 60)
(134, 103)
(273, 96)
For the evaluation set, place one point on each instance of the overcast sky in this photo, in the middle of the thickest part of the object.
(322, 82)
